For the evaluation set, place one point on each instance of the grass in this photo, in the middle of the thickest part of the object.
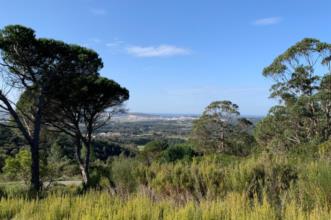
(100, 205)
(202, 189)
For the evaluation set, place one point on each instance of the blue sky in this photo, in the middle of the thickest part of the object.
(176, 56)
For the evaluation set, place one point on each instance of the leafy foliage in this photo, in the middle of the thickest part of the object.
(178, 152)
(220, 129)
(19, 166)
(302, 83)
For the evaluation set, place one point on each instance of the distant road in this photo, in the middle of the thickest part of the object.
(68, 182)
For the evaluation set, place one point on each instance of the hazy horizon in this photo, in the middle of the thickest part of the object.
(183, 114)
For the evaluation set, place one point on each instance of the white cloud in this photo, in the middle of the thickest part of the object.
(157, 51)
(98, 11)
(267, 21)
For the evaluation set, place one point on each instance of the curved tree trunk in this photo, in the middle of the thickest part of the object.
(87, 163)
(84, 169)
(32, 139)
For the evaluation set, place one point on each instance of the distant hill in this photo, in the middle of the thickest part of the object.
(141, 117)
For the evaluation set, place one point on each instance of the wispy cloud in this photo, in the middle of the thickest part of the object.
(267, 21)
(115, 43)
(95, 40)
(157, 51)
(116, 46)
(98, 11)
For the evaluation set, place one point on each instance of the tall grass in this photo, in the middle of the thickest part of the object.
(209, 187)
(100, 205)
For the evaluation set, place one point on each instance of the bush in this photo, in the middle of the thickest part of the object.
(314, 186)
(2, 161)
(18, 167)
(178, 152)
(273, 180)
(100, 176)
(123, 175)
(184, 181)
(2, 193)
(153, 150)
(105, 149)
(156, 146)
(324, 150)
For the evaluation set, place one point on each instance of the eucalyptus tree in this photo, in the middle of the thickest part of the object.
(324, 97)
(301, 85)
(298, 70)
(217, 126)
(223, 113)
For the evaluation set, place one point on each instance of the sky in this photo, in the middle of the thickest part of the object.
(177, 56)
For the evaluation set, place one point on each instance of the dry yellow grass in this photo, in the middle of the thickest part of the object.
(100, 205)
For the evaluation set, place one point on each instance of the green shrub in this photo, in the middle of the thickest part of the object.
(156, 146)
(184, 181)
(2, 161)
(18, 167)
(271, 181)
(324, 150)
(177, 152)
(123, 175)
(152, 151)
(2, 192)
(314, 186)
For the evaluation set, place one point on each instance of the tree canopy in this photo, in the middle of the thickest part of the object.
(218, 128)
(58, 80)
(302, 83)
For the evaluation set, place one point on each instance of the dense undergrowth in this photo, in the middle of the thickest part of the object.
(295, 185)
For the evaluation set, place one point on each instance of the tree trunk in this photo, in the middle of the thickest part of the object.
(82, 166)
(35, 167)
(88, 157)
(35, 175)
(87, 164)
(327, 132)
(32, 139)
(222, 141)
(85, 175)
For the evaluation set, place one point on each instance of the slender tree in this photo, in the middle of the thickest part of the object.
(218, 126)
(324, 97)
